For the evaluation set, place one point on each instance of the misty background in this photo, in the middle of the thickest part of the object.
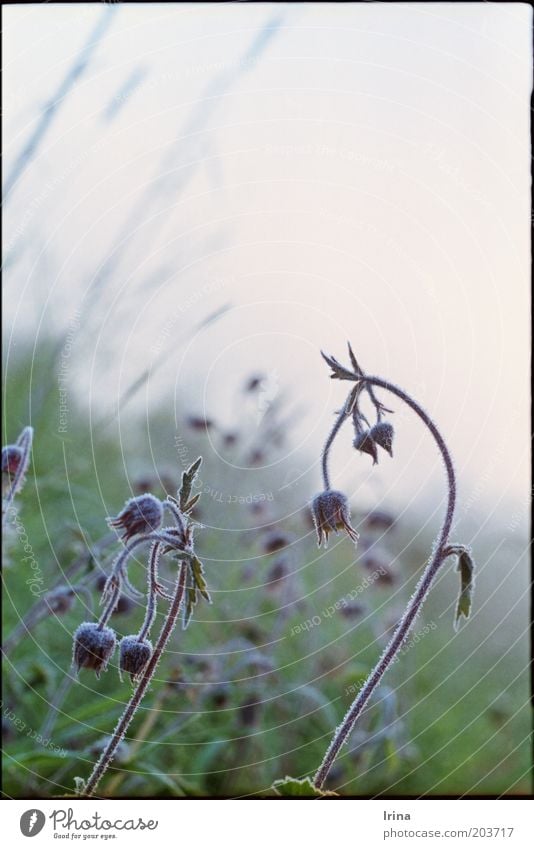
(302, 175)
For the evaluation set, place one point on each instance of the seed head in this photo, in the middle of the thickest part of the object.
(11, 459)
(134, 656)
(140, 515)
(382, 433)
(365, 443)
(93, 647)
(330, 511)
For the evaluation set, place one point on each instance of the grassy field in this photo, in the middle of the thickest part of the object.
(254, 688)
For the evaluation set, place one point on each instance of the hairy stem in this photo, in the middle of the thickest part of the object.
(414, 606)
(152, 591)
(328, 444)
(129, 712)
(110, 606)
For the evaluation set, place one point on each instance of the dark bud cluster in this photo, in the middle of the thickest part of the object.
(275, 540)
(381, 435)
(60, 600)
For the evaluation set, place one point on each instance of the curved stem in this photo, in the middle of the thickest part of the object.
(423, 586)
(177, 515)
(129, 712)
(328, 444)
(105, 616)
(152, 591)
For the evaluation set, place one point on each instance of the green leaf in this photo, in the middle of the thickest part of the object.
(339, 372)
(291, 788)
(198, 577)
(191, 503)
(466, 568)
(190, 601)
(188, 479)
(195, 582)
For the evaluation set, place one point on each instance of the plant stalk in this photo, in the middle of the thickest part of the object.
(129, 712)
(423, 586)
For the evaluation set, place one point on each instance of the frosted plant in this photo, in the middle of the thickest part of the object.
(94, 643)
(331, 513)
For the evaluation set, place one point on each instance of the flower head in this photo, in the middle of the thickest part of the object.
(134, 656)
(330, 511)
(140, 515)
(365, 443)
(12, 456)
(382, 434)
(93, 647)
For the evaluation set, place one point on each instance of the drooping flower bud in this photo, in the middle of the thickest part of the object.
(330, 511)
(11, 459)
(134, 656)
(382, 433)
(365, 443)
(140, 515)
(93, 647)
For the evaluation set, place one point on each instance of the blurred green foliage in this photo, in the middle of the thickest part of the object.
(252, 691)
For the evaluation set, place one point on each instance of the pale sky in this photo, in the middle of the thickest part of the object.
(353, 172)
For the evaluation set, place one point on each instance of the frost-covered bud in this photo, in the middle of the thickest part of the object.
(93, 647)
(330, 511)
(11, 459)
(365, 443)
(140, 515)
(382, 433)
(134, 656)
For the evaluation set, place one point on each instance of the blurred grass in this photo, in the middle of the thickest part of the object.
(247, 694)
